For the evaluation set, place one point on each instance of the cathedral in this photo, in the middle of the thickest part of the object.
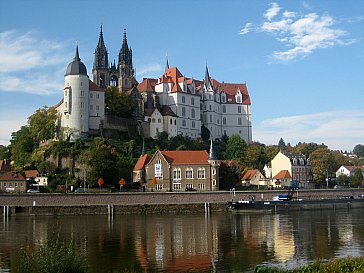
(171, 103)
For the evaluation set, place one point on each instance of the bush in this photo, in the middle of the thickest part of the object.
(345, 265)
(53, 257)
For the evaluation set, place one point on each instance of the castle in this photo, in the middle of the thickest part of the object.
(172, 103)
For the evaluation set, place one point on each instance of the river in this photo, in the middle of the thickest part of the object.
(216, 242)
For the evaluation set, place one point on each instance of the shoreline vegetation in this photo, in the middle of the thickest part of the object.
(342, 265)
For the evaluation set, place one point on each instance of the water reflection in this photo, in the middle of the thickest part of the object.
(200, 243)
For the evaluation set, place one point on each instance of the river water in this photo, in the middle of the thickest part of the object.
(216, 242)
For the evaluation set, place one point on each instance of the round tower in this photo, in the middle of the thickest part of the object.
(76, 99)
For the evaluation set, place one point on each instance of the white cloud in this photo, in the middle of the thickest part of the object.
(246, 29)
(302, 34)
(150, 70)
(19, 52)
(31, 64)
(340, 130)
(272, 11)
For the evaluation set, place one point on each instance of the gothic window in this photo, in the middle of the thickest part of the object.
(201, 173)
(239, 121)
(189, 173)
(176, 174)
(192, 101)
(224, 109)
(224, 120)
(183, 111)
(193, 113)
(239, 109)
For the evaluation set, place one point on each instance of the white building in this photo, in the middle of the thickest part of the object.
(83, 105)
(348, 170)
(223, 108)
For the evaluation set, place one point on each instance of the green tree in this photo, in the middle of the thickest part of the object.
(103, 162)
(116, 103)
(255, 157)
(42, 124)
(236, 148)
(357, 178)
(21, 147)
(359, 150)
(343, 180)
(4, 152)
(307, 148)
(325, 163)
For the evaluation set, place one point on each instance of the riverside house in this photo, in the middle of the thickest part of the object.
(178, 171)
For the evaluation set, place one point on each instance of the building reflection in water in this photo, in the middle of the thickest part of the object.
(197, 242)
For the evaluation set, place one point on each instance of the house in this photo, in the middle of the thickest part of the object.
(298, 167)
(283, 178)
(39, 179)
(253, 177)
(348, 170)
(11, 181)
(178, 171)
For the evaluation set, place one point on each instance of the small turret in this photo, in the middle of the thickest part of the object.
(207, 80)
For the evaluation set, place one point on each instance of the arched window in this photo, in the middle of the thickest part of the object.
(201, 173)
(176, 174)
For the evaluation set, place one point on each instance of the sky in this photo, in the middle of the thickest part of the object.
(302, 61)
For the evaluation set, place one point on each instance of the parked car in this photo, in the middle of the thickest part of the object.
(338, 187)
(32, 191)
(80, 190)
(190, 189)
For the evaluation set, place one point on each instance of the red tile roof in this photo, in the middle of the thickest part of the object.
(249, 174)
(11, 176)
(31, 174)
(142, 161)
(186, 157)
(282, 174)
(353, 168)
(147, 85)
(94, 87)
(230, 90)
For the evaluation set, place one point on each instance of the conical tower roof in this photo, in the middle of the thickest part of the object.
(76, 67)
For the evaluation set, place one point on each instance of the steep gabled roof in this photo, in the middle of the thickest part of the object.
(230, 90)
(142, 161)
(167, 111)
(249, 174)
(186, 157)
(94, 87)
(147, 85)
(282, 174)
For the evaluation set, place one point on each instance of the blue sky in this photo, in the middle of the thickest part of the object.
(303, 61)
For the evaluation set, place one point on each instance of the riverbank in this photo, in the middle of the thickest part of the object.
(349, 265)
(166, 202)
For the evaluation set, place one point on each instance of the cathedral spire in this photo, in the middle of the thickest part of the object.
(101, 57)
(125, 54)
(207, 79)
(167, 64)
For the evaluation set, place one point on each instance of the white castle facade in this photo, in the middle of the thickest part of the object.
(172, 103)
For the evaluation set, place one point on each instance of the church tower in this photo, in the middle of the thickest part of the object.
(100, 68)
(76, 98)
(125, 65)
